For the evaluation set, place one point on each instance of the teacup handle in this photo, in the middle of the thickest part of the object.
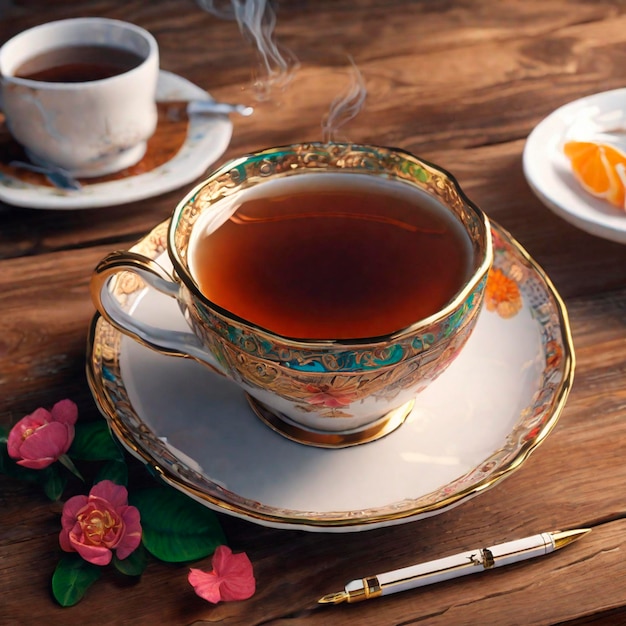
(167, 341)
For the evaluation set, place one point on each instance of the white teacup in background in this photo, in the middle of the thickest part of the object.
(89, 122)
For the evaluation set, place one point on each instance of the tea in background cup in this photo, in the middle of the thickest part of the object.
(332, 282)
(79, 94)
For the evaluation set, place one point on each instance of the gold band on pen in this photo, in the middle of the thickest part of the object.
(371, 589)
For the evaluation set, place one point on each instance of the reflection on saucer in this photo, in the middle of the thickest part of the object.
(470, 429)
(180, 151)
(168, 139)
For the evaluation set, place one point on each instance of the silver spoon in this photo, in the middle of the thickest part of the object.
(198, 107)
(180, 109)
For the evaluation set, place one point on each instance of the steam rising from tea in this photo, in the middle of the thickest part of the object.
(257, 23)
(346, 106)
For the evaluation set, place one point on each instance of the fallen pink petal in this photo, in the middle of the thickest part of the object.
(231, 579)
(39, 439)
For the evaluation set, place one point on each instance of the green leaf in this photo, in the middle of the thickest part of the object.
(3, 463)
(116, 471)
(4, 435)
(93, 442)
(69, 465)
(9, 467)
(71, 579)
(134, 564)
(175, 527)
(53, 482)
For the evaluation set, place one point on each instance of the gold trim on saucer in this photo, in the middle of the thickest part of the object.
(325, 439)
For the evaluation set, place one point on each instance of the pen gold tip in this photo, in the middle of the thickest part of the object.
(334, 598)
(563, 538)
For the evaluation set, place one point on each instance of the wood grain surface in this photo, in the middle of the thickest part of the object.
(460, 83)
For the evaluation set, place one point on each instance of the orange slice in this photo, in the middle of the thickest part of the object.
(600, 169)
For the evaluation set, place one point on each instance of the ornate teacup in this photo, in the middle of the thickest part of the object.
(322, 391)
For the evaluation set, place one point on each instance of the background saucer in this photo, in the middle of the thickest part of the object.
(548, 172)
(472, 427)
(207, 138)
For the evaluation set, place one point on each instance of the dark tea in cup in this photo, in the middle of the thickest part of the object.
(337, 257)
(77, 64)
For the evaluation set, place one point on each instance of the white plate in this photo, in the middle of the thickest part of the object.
(548, 172)
(472, 427)
(208, 137)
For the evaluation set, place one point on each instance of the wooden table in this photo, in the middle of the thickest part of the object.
(462, 84)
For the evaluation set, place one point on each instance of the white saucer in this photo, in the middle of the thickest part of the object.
(472, 427)
(548, 171)
(208, 137)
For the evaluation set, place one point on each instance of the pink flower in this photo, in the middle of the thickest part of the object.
(324, 395)
(231, 578)
(39, 439)
(103, 521)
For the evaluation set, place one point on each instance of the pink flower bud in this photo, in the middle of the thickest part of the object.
(39, 439)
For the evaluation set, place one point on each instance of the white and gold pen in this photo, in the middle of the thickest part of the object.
(470, 562)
